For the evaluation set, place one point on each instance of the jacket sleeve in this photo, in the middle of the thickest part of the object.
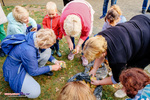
(15, 30)
(32, 22)
(44, 23)
(59, 30)
(30, 63)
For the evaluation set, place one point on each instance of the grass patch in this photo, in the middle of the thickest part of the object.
(50, 85)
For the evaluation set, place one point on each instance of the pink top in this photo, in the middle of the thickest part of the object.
(83, 12)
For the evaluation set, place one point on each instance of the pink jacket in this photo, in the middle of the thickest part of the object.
(82, 11)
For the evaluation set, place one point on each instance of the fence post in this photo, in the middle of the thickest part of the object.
(3, 3)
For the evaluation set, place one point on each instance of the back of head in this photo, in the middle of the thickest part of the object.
(113, 14)
(77, 90)
(72, 25)
(19, 12)
(94, 47)
(45, 37)
(134, 79)
(51, 6)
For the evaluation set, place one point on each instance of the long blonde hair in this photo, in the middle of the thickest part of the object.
(94, 47)
(77, 90)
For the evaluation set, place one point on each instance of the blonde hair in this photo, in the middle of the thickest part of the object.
(51, 6)
(77, 90)
(72, 25)
(113, 14)
(45, 37)
(19, 12)
(94, 47)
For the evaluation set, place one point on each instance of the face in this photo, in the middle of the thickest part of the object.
(25, 19)
(52, 13)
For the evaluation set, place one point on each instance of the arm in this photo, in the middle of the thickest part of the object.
(97, 63)
(70, 44)
(32, 22)
(30, 63)
(59, 30)
(80, 42)
(44, 23)
(105, 81)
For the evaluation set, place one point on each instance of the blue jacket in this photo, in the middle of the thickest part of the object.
(15, 27)
(22, 58)
(143, 94)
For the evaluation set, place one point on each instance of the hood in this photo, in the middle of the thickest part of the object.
(30, 39)
(12, 20)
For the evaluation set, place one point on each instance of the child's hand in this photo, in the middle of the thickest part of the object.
(70, 44)
(77, 49)
(58, 62)
(33, 29)
(92, 72)
(56, 67)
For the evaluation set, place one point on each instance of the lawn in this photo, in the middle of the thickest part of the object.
(50, 85)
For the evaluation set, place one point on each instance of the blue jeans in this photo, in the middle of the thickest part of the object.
(145, 5)
(30, 27)
(105, 5)
(72, 39)
(55, 46)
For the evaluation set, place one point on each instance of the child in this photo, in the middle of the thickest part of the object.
(18, 20)
(76, 90)
(3, 20)
(136, 83)
(113, 17)
(52, 21)
(75, 21)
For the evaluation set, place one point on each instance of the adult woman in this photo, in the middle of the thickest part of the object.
(22, 61)
(126, 44)
(74, 21)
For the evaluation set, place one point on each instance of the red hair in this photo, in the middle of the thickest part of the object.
(134, 79)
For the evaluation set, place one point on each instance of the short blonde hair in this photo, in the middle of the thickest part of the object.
(51, 6)
(72, 25)
(19, 12)
(77, 90)
(94, 47)
(45, 37)
(113, 14)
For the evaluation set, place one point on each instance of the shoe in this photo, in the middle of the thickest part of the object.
(58, 53)
(143, 11)
(102, 16)
(120, 94)
(148, 10)
(71, 56)
(84, 61)
(52, 52)
(50, 73)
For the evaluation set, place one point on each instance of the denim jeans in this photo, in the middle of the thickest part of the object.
(105, 5)
(72, 39)
(145, 5)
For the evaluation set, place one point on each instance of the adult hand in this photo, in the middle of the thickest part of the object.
(33, 29)
(56, 67)
(95, 82)
(77, 48)
(58, 62)
(70, 44)
(93, 72)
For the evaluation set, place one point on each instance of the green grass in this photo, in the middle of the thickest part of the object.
(50, 85)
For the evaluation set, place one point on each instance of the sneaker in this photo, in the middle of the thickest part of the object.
(143, 11)
(58, 54)
(71, 56)
(52, 52)
(102, 16)
(84, 61)
(120, 94)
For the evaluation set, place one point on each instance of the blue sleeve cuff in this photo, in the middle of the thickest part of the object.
(112, 79)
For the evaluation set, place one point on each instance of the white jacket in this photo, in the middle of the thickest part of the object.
(3, 18)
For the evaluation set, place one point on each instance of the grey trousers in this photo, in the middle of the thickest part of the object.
(30, 86)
